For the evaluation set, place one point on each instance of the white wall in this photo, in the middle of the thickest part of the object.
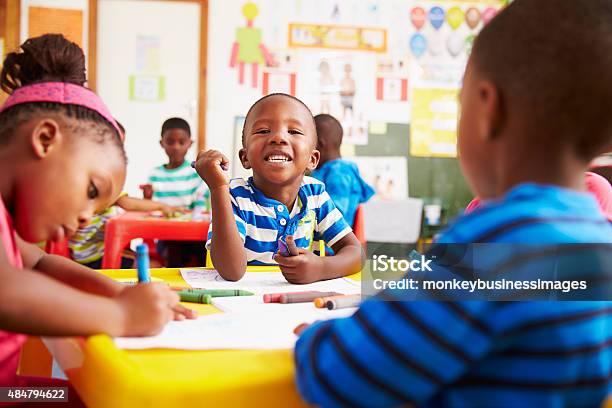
(176, 26)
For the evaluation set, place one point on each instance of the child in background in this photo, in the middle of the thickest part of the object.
(177, 184)
(341, 178)
(279, 144)
(87, 244)
(535, 109)
(595, 184)
(55, 131)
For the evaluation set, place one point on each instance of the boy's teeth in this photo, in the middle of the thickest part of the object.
(278, 158)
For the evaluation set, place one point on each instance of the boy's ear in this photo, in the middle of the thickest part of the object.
(161, 143)
(321, 143)
(243, 158)
(46, 136)
(492, 110)
(315, 156)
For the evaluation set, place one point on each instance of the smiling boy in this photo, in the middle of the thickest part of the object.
(279, 140)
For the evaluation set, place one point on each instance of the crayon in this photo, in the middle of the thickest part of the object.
(343, 302)
(286, 246)
(321, 302)
(273, 297)
(218, 292)
(302, 297)
(223, 166)
(142, 261)
(195, 297)
(179, 288)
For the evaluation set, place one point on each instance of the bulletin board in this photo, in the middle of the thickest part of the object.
(390, 71)
(428, 177)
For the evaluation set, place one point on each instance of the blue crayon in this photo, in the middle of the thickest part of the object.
(142, 261)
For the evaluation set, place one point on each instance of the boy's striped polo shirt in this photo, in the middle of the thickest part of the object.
(180, 187)
(261, 221)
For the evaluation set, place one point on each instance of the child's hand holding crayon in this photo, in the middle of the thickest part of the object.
(212, 165)
(147, 308)
(305, 267)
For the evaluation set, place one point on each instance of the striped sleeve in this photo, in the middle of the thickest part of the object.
(240, 224)
(200, 196)
(331, 225)
(420, 348)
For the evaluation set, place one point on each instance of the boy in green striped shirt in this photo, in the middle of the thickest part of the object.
(177, 184)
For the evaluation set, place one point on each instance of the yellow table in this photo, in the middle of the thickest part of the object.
(106, 376)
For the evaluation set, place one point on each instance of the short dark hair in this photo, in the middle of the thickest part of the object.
(329, 128)
(269, 96)
(552, 62)
(175, 123)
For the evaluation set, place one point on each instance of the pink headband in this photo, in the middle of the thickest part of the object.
(63, 93)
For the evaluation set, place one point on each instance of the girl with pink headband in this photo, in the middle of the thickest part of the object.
(61, 160)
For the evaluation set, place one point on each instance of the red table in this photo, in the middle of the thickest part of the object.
(131, 225)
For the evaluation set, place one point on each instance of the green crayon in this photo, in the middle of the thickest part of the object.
(219, 292)
(195, 297)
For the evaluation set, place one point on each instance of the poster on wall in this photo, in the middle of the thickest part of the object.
(282, 76)
(440, 43)
(147, 88)
(328, 85)
(392, 78)
(387, 175)
(337, 37)
(147, 54)
(248, 48)
(433, 130)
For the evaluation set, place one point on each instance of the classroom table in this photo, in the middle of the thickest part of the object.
(105, 376)
(131, 225)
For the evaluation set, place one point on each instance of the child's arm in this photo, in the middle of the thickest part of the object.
(227, 249)
(308, 267)
(78, 276)
(137, 204)
(392, 352)
(37, 304)
(67, 271)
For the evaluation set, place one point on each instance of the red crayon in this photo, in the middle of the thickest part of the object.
(275, 297)
(303, 297)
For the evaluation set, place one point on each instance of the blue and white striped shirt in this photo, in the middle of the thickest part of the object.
(261, 221)
(474, 354)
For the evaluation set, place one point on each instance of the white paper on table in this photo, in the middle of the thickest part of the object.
(261, 283)
(249, 331)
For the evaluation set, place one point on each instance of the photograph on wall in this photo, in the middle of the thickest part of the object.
(387, 175)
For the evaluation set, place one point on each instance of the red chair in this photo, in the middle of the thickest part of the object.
(153, 255)
(58, 248)
(359, 226)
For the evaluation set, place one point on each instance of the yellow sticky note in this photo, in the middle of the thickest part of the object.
(347, 150)
(378, 128)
